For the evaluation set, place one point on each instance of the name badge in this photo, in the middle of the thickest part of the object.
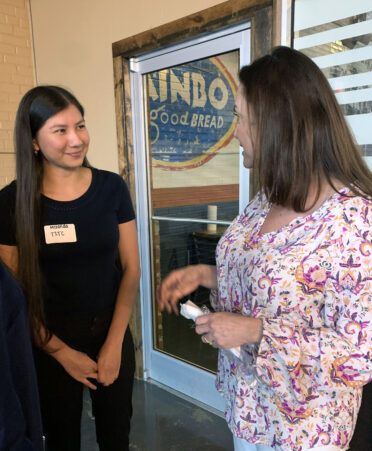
(60, 233)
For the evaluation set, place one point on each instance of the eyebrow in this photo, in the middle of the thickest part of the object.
(65, 125)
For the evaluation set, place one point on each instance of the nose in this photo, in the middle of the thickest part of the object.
(75, 139)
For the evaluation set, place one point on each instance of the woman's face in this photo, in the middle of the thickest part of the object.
(244, 127)
(63, 140)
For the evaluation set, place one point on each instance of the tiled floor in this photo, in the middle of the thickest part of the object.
(163, 421)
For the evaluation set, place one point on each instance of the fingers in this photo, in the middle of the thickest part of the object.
(175, 286)
(161, 297)
(206, 338)
(93, 375)
(90, 380)
(108, 372)
(203, 325)
(92, 370)
(109, 382)
(105, 383)
(174, 305)
(89, 384)
(203, 328)
(168, 295)
(203, 319)
(169, 304)
(106, 379)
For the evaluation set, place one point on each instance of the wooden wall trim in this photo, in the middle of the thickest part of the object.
(261, 43)
(206, 21)
(126, 170)
(277, 21)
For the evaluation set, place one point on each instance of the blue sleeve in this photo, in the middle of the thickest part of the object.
(7, 214)
(12, 422)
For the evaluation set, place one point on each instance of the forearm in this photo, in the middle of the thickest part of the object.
(313, 360)
(9, 256)
(77, 364)
(207, 276)
(55, 346)
(124, 305)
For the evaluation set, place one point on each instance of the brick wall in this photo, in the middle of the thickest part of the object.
(16, 75)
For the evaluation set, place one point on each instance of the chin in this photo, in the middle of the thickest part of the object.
(247, 164)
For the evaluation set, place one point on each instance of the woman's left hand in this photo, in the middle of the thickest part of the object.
(228, 330)
(108, 363)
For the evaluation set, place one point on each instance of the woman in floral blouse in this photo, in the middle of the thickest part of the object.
(293, 281)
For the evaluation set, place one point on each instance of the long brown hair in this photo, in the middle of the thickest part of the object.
(36, 107)
(301, 133)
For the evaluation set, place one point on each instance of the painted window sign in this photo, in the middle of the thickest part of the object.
(191, 113)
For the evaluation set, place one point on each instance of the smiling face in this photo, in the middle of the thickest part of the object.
(244, 127)
(63, 140)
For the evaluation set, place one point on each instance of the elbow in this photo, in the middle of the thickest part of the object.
(132, 273)
(138, 274)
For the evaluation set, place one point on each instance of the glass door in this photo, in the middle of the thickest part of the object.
(190, 187)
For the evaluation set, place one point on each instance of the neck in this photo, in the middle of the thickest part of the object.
(315, 199)
(326, 190)
(59, 183)
(56, 174)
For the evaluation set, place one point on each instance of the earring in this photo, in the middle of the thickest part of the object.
(36, 147)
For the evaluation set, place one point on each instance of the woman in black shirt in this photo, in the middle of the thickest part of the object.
(64, 225)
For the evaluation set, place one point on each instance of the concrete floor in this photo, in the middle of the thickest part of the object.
(163, 421)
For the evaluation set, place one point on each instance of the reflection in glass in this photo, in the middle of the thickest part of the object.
(194, 164)
(342, 48)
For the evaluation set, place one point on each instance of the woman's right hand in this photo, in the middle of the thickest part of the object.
(78, 365)
(184, 281)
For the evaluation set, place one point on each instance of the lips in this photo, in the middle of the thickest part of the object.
(75, 154)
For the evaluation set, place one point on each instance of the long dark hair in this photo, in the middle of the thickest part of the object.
(301, 134)
(36, 107)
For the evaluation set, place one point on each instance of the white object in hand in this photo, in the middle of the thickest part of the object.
(191, 311)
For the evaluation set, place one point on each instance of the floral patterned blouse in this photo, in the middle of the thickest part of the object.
(311, 284)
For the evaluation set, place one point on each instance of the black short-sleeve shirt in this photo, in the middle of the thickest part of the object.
(79, 243)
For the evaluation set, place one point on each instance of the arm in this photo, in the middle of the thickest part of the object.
(77, 364)
(184, 281)
(13, 430)
(109, 357)
(319, 341)
(221, 330)
(331, 350)
(9, 255)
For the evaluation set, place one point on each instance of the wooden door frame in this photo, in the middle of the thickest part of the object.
(264, 16)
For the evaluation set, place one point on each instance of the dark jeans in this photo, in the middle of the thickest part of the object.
(61, 396)
(362, 438)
